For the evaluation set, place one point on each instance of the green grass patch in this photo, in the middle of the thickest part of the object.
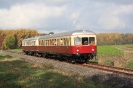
(16, 73)
(17, 50)
(108, 50)
(129, 64)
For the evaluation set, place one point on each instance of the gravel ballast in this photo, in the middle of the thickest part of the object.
(112, 79)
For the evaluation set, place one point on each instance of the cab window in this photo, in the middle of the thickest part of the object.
(84, 40)
(91, 40)
(77, 41)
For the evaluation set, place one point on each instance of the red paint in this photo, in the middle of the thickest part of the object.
(84, 49)
(62, 49)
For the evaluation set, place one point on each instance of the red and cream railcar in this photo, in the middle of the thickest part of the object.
(78, 45)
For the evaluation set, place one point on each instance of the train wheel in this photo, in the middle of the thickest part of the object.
(87, 61)
(73, 60)
(44, 55)
(26, 53)
(67, 59)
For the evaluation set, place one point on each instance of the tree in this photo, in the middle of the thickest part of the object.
(51, 33)
(9, 42)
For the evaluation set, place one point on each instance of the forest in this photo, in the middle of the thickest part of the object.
(114, 38)
(13, 38)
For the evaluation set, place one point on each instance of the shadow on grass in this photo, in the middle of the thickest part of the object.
(113, 81)
(11, 72)
(8, 80)
(5, 56)
(20, 74)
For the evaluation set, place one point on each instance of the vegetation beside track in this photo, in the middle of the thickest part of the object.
(16, 73)
(17, 50)
(116, 55)
(129, 64)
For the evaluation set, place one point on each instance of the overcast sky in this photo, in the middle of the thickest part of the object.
(65, 15)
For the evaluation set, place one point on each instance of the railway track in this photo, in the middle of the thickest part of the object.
(117, 70)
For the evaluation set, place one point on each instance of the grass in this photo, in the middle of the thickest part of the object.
(16, 73)
(107, 49)
(129, 64)
(115, 55)
(17, 50)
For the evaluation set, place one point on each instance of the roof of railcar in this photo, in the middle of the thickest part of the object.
(75, 32)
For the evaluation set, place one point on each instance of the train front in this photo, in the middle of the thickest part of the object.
(84, 45)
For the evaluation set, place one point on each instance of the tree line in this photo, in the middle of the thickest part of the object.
(114, 38)
(13, 38)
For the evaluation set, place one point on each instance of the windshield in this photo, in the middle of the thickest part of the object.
(77, 41)
(84, 40)
(91, 40)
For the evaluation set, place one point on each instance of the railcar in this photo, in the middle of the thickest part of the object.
(78, 45)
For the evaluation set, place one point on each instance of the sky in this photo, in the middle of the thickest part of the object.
(65, 15)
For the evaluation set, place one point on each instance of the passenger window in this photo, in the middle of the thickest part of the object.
(61, 42)
(54, 42)
(34, 43)
(85, 41)
(42, 42)
(46, 43)
(65, 42)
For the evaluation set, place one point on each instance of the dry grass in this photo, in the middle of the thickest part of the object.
(118, 60)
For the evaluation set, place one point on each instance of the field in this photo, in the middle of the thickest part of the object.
(116, 55)
(16, 73)
(108, 50)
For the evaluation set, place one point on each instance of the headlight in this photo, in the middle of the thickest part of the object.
(92, 49)
(77, 50)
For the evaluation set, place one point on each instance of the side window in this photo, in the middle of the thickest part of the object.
(43, 42)
(39, 42)
(46, 42)
(54, 42)
(58, 42)
(34, 43)
(65, 42)
(61, 41)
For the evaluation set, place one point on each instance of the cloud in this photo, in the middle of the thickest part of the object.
(65, 15)
(110, 22)
(28, 15)
(126, 2)
(115, 17)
